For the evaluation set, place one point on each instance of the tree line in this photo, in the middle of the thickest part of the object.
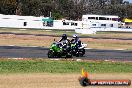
(69, 9)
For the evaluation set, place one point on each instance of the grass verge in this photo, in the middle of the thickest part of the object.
(38, 31)
(69, 33)
(32, 40)
(46, 66)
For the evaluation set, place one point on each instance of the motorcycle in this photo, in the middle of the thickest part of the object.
(78, 49)
(57, 50)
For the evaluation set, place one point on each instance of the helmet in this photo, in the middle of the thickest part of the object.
(64, 36)
(75, 36)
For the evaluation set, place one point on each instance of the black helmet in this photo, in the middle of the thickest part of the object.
(64, 36)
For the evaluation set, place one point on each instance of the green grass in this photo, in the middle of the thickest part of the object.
(110, 46)
(69, 33)
(46, 66)
(38, 31)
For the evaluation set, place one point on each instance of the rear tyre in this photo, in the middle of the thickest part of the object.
(69, 55)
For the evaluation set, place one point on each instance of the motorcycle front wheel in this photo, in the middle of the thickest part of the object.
(50, 54)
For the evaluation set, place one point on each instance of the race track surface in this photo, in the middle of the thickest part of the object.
(40, 52)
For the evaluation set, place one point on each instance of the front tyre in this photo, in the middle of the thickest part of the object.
(50, 54)
(82, 52)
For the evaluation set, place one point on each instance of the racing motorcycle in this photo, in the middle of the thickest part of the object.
(57, 50)
(78, 49)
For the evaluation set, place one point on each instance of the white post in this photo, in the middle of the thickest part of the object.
(50, 14)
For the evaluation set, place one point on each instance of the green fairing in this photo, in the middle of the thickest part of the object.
(55, 48)
(73, 45)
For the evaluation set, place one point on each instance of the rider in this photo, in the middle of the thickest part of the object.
(64, 41)
(76, 40)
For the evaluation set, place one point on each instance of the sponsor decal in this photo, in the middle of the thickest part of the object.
(86, 81)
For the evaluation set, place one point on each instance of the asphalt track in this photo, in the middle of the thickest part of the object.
(40, 52)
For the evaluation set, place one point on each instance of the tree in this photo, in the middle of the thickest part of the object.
(71, 9)
(7, 6)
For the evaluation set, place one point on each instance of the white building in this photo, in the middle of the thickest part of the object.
(15, 21)
(90, 24)
(100, 21)
(93, 23)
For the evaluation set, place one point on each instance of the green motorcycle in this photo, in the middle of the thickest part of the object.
(57, 51)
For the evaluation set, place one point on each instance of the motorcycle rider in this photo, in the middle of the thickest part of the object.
(76, 40)
(64, 41)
